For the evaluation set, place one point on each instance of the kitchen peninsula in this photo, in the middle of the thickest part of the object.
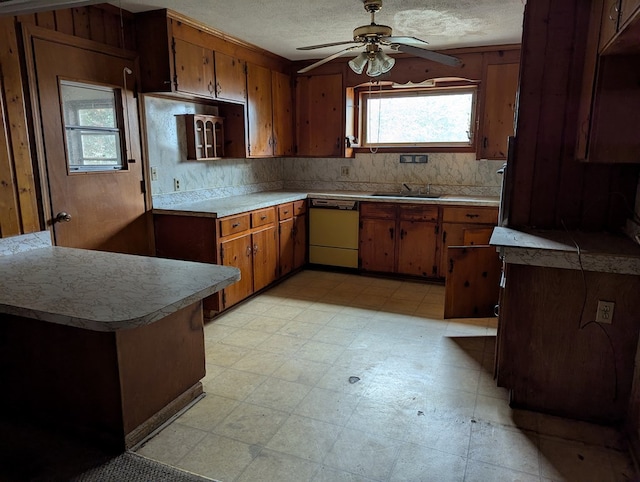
(103, 344)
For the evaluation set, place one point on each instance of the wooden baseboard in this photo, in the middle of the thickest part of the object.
(146, 428)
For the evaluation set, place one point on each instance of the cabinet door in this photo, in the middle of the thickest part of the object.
(194, 69)
(498, 110)
(377, 245)
(627, 9)
(609, 24)
(453, 235)
(319, 115)
(282, 114)
(265, 257)
(231, 79)
(237, 252)
(260, 117)
(299, 241)
(417, 248)
(472, 285)
(286, 241)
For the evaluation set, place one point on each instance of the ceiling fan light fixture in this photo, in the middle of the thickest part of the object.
(379, 64)
(359, 63)
(386, 62)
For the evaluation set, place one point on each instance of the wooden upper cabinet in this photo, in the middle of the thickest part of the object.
(179, 58)
(498, 110)
(230, 77)
(194, 69)
(609, 106)
(628, 8)
(609, 20)
(259, 111)
(320, 119)
(283, 143)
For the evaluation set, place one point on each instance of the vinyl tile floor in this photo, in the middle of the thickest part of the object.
(339, 377)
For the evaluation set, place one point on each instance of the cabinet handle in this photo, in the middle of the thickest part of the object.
(614, 8)
(248, 250)
(485, 142)
(450, 265)
(391, 232)
(402, 233)
(218, 88)
(210, 88)
(235, 225)
(471, 216)
(255, 249)
(286, 212)
(263, 217)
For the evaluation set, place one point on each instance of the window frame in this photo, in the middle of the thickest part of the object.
(362, 92)
(118, 130)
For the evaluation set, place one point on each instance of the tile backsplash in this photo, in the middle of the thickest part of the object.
(446, 173)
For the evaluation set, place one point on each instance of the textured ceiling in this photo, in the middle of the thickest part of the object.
(282, 25)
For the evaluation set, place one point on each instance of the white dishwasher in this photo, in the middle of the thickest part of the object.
(333, 232)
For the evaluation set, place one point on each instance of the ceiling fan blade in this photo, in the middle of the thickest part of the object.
(429, 55)
(326, 59)
(333, 44)
(404, 40)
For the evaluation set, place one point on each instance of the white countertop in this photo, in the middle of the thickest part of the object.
(102, 291)
(220, 207)
(590, 251)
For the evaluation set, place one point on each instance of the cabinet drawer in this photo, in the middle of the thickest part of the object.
(416, 212)
(285, 211)
(233, 224)
(262, 217)
(299, 207)
(378, 210)
(470, 215)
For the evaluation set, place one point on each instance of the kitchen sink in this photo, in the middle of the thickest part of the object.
(407, 194)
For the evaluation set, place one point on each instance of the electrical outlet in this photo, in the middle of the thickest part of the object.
(344, 171)
(176, 184)
(154, 173)
(605, 311)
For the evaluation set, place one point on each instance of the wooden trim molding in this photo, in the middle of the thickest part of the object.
(15, 123)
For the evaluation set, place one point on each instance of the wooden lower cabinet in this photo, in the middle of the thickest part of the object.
(237, 252)
(292, 236)
(398, 238)
(253, 249)
(300, 239)
(265, 257)
(263, 244)
(460, 221)
(470, 266)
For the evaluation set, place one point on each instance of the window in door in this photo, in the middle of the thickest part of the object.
(92, 127)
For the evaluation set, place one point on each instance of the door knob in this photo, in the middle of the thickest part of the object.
(62, 217)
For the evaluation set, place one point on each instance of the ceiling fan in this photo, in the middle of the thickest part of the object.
(373, 37)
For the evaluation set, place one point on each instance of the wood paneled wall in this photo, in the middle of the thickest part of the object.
(19, 190)
(551, 189)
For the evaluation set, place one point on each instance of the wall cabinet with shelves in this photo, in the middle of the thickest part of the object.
(205, 137)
